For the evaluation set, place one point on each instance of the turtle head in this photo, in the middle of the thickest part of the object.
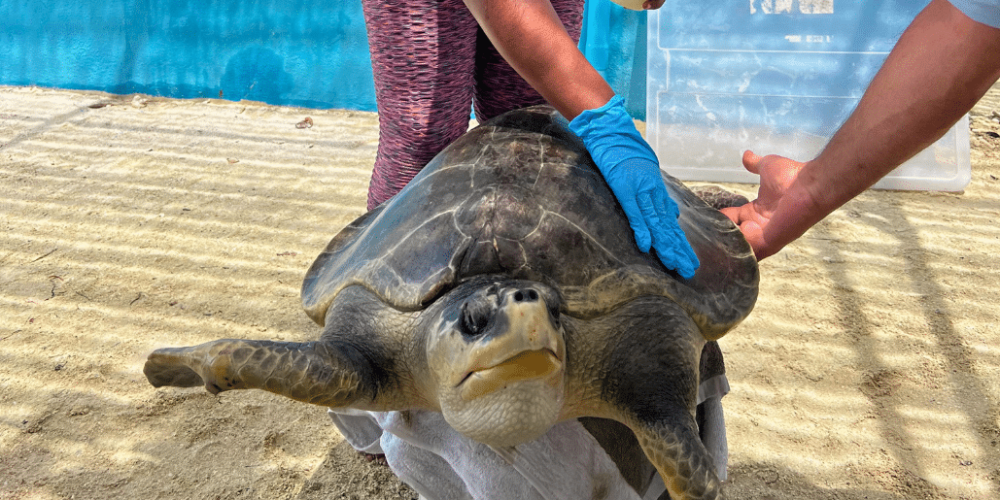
(497, 356)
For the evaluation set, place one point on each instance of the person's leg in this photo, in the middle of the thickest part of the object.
(498, 87)
(422, 55)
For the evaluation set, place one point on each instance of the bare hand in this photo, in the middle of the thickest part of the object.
(776, 175)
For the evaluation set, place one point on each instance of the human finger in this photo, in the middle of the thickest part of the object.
(751, 161)
(671, 244)
(754, 234)
(665, 207)
(648, 220)
(675, 252)
(742, 213)
(734, 213)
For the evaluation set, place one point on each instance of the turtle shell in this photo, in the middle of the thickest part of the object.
(520, 196)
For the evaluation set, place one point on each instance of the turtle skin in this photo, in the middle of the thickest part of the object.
(503, 288)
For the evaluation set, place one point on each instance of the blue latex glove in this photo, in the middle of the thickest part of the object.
(632, 171)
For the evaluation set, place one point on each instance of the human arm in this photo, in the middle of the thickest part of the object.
(532, 39)
(942, 65)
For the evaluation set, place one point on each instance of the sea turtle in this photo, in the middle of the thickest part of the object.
(503, 288)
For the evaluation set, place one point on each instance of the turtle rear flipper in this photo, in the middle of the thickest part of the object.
(310, 372)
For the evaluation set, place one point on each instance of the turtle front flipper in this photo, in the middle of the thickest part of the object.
(650, 382)
(685, 465)
(310, 372)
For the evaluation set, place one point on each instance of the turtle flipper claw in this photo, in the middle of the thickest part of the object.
(165, 368)
(174, 367)
(174, 376)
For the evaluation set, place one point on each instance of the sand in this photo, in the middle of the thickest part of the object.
(870, 368)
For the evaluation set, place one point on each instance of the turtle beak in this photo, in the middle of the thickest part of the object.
(526, 344)
(526, 365)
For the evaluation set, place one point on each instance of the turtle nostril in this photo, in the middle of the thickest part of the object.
(528, 295)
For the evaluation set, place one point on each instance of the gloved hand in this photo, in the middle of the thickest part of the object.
(632, 171)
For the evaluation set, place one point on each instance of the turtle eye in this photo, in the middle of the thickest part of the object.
(554, 314)
(475, 317)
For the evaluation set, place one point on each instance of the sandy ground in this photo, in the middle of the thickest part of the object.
(869, 369)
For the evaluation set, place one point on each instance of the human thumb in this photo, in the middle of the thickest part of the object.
(751, 161)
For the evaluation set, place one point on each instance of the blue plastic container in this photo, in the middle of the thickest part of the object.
(775, 76)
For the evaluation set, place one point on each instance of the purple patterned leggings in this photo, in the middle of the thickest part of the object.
(431, 61)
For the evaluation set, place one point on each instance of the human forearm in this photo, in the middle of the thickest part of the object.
(542, 52)
(942, 65)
